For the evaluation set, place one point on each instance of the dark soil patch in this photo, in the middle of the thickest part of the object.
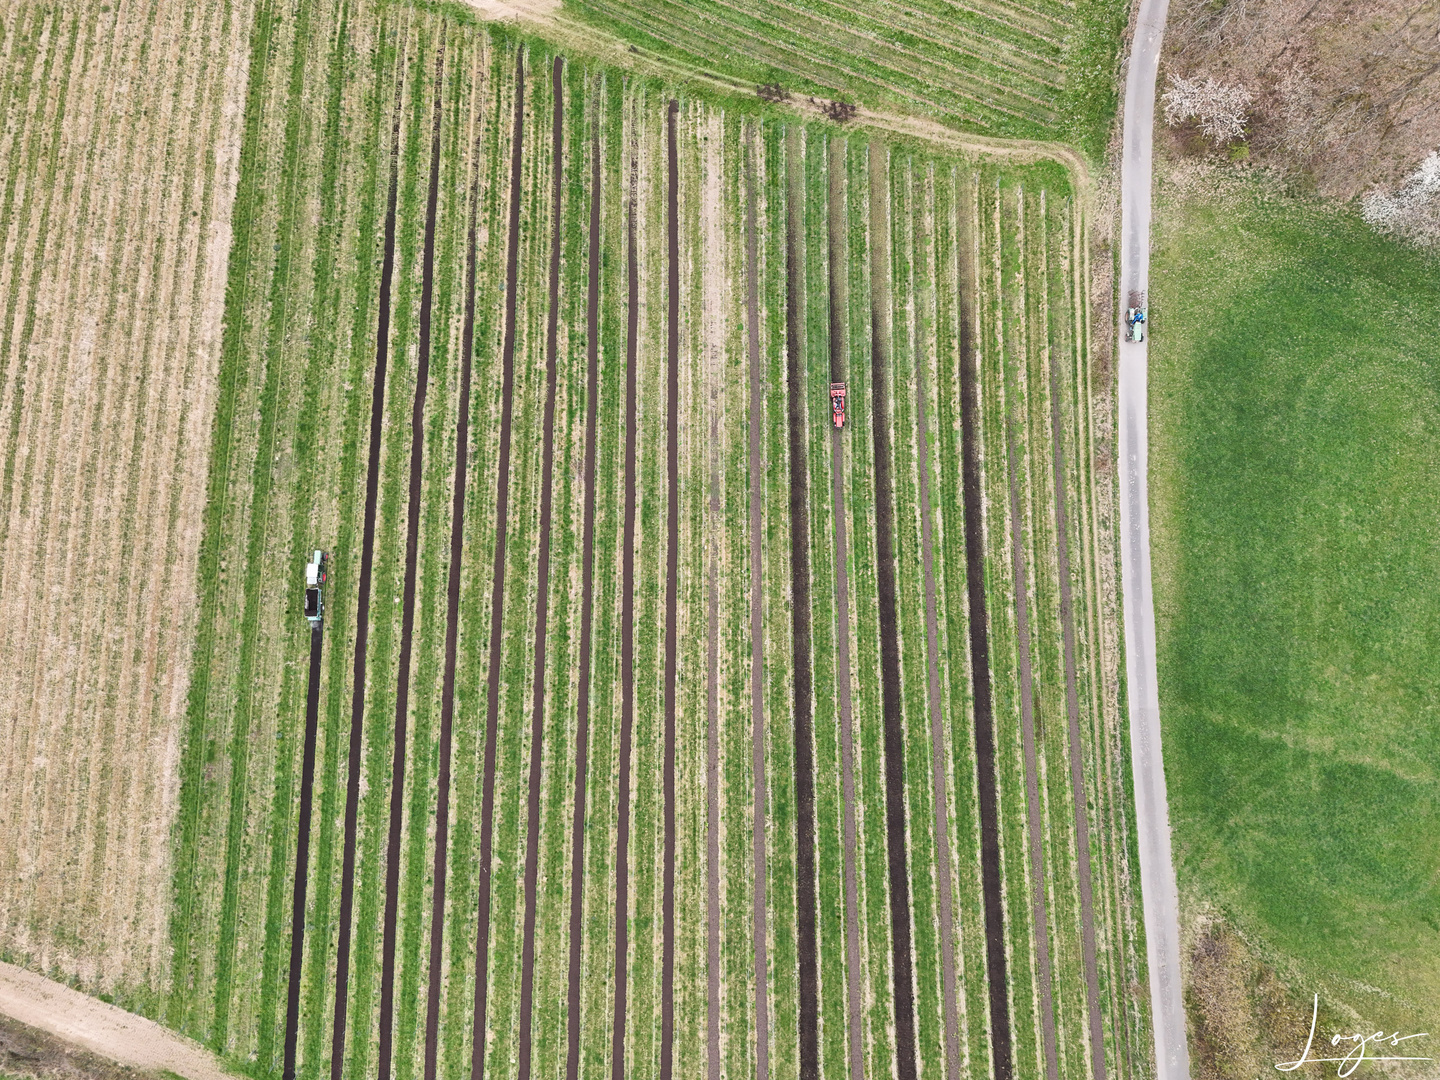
(32, 1054)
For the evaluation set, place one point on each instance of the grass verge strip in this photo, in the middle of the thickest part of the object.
(479, 1042)
(542, 586)
(895, 830)
(407, 614)
(452, 626)
(362, 609)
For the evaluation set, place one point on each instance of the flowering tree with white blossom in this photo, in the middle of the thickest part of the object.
(1220, 109)
(1412, 211)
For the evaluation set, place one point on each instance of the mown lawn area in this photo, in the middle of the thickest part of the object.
(1295, 466)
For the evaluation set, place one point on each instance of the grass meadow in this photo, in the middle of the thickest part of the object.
(1295, 452)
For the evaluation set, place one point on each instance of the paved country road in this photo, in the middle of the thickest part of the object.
(1157, 871)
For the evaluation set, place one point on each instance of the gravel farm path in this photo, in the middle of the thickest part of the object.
(1152, 814)
(102, 1029)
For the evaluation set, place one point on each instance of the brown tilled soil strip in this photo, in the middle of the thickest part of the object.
(587, 592)
(839, 309)
(757, 625)
(800, 607)
(1072, 712)
(938, 753)
(972, 487)
(302, 856)
(362, 607)
(672, 580)
(542, 579)
(452, 625)
(895, 831)
(478, 1042)
(407, 606)
(627, 647)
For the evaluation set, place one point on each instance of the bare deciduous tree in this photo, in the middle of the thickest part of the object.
(1220, 109)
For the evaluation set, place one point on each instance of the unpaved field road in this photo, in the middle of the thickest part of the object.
(1152, 812)
(100, 1028)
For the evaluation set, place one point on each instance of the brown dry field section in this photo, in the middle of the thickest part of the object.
(118, 166)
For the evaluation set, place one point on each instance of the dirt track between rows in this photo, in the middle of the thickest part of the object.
(672, 582)
(587, 593)
(478, 1041)
(452, 625)
(759, 916)
(362, 609)
(542, 580)
(972, 485)
(1035, 830)
(1072, 713)
(896, 849)
(839, 307)
(407, 614)
(302, 855)
(799, 431)
(627, 644)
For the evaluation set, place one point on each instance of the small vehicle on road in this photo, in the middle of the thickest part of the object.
(837, 403)
(315, 575)
(1135, 324)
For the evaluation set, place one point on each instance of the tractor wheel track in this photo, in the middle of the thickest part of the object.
(302, 856)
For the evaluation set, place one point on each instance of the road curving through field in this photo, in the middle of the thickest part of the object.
(1152, 813)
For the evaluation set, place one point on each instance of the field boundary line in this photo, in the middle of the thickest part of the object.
(407, 614)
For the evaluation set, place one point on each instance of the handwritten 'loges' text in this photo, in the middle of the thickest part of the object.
(1360, 1044)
